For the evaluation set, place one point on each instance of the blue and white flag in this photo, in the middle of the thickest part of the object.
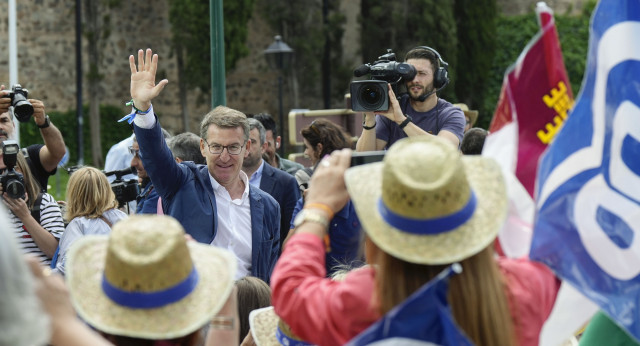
(422, 319)
(588, 189)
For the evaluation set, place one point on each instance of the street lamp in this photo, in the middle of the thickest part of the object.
(278, 56)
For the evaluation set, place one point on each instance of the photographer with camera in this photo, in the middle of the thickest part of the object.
(419, 112)
(42, 159)
(35, 215)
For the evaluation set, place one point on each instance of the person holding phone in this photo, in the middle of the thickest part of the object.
(321, 138)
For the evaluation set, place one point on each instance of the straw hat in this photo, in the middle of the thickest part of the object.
(473, 115)
(164, 287)
(418, 204)
(265, 324)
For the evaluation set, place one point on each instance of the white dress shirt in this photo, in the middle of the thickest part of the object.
(234, 216)
(234, 224)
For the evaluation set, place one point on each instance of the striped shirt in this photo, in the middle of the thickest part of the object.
(50, 219)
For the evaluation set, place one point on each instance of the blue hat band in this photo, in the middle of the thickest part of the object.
(428, 226)
(283, 339)
(150, 300)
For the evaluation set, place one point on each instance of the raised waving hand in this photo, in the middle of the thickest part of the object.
(143, 77)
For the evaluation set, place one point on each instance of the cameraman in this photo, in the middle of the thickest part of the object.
(42, 159)
(420, 112)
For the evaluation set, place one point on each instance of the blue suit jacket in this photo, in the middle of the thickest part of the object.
(284, 188)
(188, 196)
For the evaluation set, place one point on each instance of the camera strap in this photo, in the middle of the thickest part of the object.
(35, 211)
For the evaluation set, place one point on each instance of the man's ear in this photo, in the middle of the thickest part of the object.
(248, 147)
(263, 148)
(202, 148)
(278, 139)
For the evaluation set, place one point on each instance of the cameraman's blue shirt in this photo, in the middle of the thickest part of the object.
(444, 116)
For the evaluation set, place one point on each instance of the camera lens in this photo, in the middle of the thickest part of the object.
(15, 189)
(371, 96)
(22, 108)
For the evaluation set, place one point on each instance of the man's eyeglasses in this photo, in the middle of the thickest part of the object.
(232, 149)
(135, 152)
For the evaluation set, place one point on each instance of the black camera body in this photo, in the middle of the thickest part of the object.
(125, 190)
(12, 181)
(22, 108)
(372, 95)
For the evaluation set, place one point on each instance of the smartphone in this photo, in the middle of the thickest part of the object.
(362, 158)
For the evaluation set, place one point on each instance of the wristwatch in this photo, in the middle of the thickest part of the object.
(46, 123)
(406, 121)
(310, 215)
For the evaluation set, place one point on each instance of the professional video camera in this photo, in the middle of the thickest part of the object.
(372, 95)
(22, 108)
(125, 190)
(12, 181)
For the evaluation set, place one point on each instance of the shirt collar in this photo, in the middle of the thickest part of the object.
(258, 173)
(243, 176)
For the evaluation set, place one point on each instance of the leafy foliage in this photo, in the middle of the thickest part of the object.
(300, 25)
(476, 23)
(192, 35)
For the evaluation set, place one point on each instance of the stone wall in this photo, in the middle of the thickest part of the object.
(46, 54)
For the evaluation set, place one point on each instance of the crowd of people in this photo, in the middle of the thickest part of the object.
(232, 244)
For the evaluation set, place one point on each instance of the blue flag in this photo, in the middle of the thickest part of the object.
(422, 319)
(588, 189)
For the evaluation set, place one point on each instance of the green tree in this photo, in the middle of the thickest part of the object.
(476, 24)
(191, 35)
(301, 25)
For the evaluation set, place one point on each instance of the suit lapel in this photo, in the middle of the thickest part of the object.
(267, 182)
(257, 213)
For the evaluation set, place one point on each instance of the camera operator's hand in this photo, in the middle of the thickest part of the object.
(143, 85)
(5, 102)
(38, 111)
(394, 113)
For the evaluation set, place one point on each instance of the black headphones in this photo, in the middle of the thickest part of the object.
(441, 76)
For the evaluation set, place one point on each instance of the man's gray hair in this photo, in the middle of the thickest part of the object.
(255, 124)
(225, 118)
(186, 146)
(166, 134)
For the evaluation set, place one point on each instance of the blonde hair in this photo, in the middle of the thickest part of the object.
(477, 295)
(89, 194)
(31, 185)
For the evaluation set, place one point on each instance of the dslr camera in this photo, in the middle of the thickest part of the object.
(12, 181)
(22, 108)
(372, 95)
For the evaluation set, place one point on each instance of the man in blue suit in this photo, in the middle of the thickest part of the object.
(214, 202)
(279, 184)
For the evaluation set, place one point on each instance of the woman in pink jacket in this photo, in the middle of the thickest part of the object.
(424, 208)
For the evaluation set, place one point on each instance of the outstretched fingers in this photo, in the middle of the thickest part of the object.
(132, 64)
(153, 66)
(140, 60)
(147, 60)
(158, 88)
